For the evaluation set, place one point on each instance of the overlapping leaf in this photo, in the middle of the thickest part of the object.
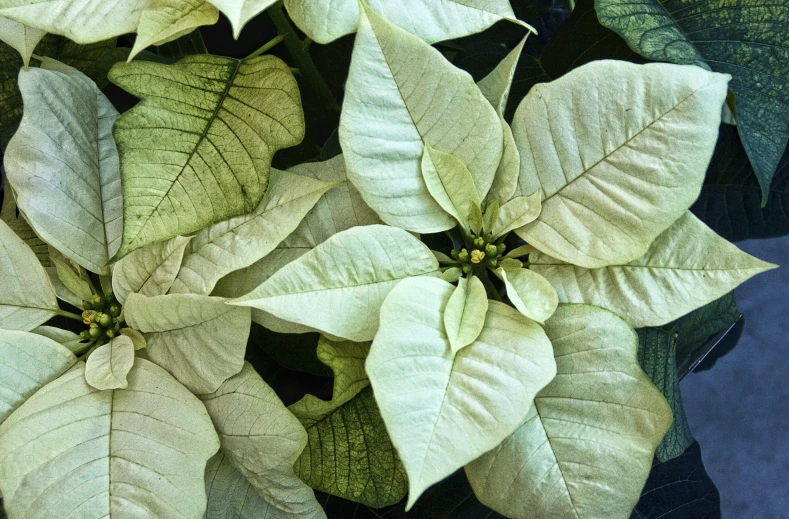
(239, 12)
(197, 149)
(22, 38)
(166, 20)
(108, 366)
(149, 270)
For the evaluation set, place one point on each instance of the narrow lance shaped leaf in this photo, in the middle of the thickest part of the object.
(63, 165)
(27, 298)
(241, 241)
(149, 270)
(530, 293)
(421, 99)
(618, 172)
(263, 439)
(431, 20)
(444, 410)
(108, 366)
(687, 267)
(93, 454)
(339, 286)
(28, 362)
(197, 149)
(66, 338)
(464, 315)
(167, 20)
(21, 37)
(601, 411)
(199, 339)
(73, 277)
(450, 184)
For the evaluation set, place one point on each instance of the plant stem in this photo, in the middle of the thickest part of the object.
(301, 56)
(70, 315)
(489, 286)
(267, 47)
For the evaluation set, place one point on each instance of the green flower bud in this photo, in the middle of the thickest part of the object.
(463, 255)
(491, 249)
(87, 305)
(94, 332)
(109, 333)
(494, 262)
(115, 310)
(97, 301)
(479, 242)
(489, 237)
(84, 334)
(104, 319)
(501, 248)
(467, 269)
(454, 254)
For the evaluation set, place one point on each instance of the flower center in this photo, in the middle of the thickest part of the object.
(104, 317)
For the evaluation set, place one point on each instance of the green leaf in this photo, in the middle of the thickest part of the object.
(199, 339)
(149, 270)
(63, 165)
(263, 439)
(730, 201)
(516, 213)
(586, 445)
(350, 455)
(109, 364)
(166, 20)
(339, 286)
(138, 340)
(10, 97)
(420, 99)
(27, 298)
(199, 144)
(744, 40)
(346, 360)
(22, 38)
(530, 293)
(28, 362)
(444, 410)
(241, 241)
(73, 277)
(431, 20)
(239, 12)
(496, 89)
(685, 268)
(95, 454)
(450, 184)
(16, 221)
(657, 355)
(613, 177)
(464, 315)
(93, 59)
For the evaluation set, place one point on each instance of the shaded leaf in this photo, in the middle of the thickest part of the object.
(16, 221)
(149, 270)
(167, 20)
(21, 37)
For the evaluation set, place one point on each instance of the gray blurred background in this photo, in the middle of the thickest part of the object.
(739, 410)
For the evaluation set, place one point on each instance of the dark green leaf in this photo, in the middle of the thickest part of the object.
(453, 498)
(186, 45)
(350, 455)
(291, 351)
(94, 59)
(679, 489)
(721, 347)
(10, 97)
(744, 39)
(657, 349)
(730, 201)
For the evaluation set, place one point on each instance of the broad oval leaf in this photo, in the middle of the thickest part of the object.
(742, 39)
(530, 293)
(517, 212)
(586, 445)
(167, 20)
(239, 12)
(197, 149)
(464, 315)
(431, 20)
(444, 410)
(617, 172)
(21, 37)
(28, 362)
(149, 270)
(27, 298)
(109, 364)
(63, 165)
(687, 267)
(199, 339)
(420, 98)
(241, 241)
(95, 454)
(263, 439)
(339, 286)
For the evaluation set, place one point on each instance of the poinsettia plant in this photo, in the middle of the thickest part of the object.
(475, 276)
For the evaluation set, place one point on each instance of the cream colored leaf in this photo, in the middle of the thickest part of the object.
(74, 451)
(109, 364)
(70, 340)
(530, 293)
(450, 184)
(27, 298)
(241, 241)
(452, 274)
(166, 20)
(419, 99)
(346, 360)
(516, 213)
(444, 410)
(63, 164)
(21, 37)
(138, 340)
(339, 286)
(585, 448)
(616, 172)
(686, 267)
(239, 12)
(73, 277)
(199, 339)
(263, 439)
(28, 362)
(464, 315)
(149, 270)
(431, 20)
